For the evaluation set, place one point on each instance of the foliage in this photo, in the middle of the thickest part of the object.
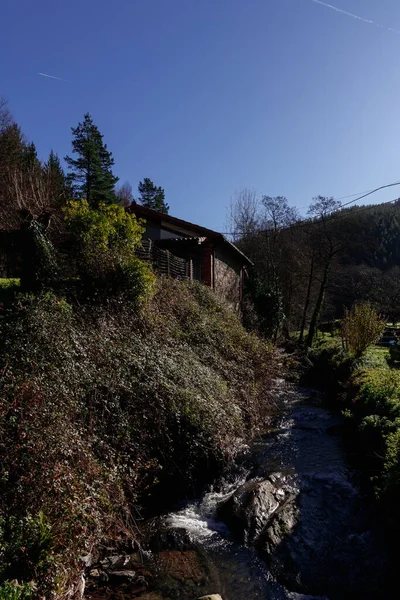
(91, 172)
(8, 289)
(104, 407)
(376, 412)
(361, 327)
(10, 282)
(152, 196)
(329, 368)
(39, 267)
(25, 189)
(12, 590)
(264, 310)
(26, 546)
(57, 178)
(105, 240)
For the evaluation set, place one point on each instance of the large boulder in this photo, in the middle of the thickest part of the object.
(312, 539)
(252, 506)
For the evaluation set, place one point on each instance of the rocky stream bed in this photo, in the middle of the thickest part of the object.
(290, 521)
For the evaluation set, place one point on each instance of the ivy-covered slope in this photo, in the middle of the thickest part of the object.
(102, 405)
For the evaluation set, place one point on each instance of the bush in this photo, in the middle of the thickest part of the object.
(361, 327)
(104, 245)
(376, 413)
(8, 290)
(328, 368)
(12, 590)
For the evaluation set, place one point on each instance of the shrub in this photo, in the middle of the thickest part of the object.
(378, 392)
(104, 244)
(12, 590)
(6, 284)
(361, 327)
(376, 413)
(8, 290)
(330, 369)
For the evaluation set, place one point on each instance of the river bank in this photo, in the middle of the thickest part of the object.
(290, 520)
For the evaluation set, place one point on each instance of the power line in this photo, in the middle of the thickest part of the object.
(365, 194)
(340, 198)
(304, 222)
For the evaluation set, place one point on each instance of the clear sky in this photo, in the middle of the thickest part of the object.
(289, 97)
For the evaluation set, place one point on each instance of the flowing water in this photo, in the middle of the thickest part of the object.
(334, 545)
(289, 522)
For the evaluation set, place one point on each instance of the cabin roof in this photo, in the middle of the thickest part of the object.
(203, 232)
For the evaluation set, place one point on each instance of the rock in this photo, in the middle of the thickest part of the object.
(182, 565)
(212, 597)
(122, 576)
(79, 588)
(87, 561)
(118, 563)
(313, 543)
(94, 573)
(252, 506)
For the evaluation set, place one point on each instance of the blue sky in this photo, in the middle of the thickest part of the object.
(208, 96)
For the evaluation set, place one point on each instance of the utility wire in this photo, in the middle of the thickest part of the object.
(304, 222)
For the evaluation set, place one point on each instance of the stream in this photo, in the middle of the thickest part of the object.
(290, 521)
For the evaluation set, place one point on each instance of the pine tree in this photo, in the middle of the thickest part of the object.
(152, 196)
(30, 155)
(57, 179)
(91, 175)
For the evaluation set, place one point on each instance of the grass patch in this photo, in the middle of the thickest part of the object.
(376, 357)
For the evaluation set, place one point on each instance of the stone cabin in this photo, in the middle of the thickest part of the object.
(209, 256)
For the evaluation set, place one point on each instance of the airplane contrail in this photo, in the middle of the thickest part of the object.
(53, 77)
(353, 16)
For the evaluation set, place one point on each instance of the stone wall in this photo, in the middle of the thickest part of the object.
(228, 279)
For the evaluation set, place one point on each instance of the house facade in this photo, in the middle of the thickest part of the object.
(209, 256)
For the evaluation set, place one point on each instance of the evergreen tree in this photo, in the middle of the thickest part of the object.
(91, 175)
(30, 155)
(152, 196)
(13, 147)
(58, 181)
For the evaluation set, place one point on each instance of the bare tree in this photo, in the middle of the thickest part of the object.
(244, 214)
(124, 194)
(326, 245)
(5, 115)
(278, 213)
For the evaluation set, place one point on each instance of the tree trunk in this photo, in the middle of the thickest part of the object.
(318, 306)
(307, 302)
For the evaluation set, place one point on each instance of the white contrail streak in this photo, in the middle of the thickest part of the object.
(52, 77)
(349, 14)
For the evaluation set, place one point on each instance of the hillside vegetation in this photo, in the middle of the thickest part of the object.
(103, 407)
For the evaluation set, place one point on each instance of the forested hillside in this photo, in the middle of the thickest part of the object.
(307, 270)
